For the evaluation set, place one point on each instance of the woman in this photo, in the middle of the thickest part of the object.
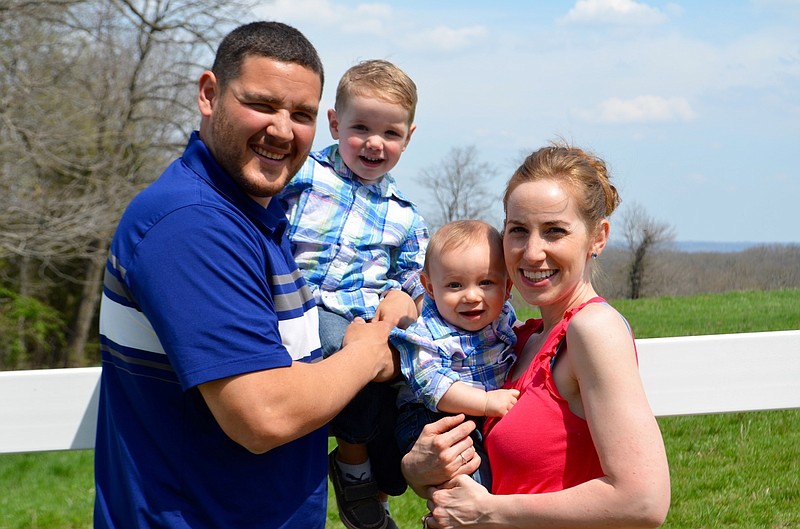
(581, 447)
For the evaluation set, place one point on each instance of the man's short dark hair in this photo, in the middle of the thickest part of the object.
(273, 40)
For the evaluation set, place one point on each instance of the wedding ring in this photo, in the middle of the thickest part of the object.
(425, 520)
(463, 461)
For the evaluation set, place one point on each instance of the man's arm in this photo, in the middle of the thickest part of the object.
(266, 409)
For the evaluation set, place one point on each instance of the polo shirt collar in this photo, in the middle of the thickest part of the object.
(198, 158)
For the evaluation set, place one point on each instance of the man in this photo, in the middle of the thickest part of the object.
(211, 404)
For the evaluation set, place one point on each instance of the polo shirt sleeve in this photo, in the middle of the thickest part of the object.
(200, 277)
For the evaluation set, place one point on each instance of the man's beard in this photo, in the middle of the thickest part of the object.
(233, 161)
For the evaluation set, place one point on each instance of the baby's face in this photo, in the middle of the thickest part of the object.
(469, 285)
(372, 136)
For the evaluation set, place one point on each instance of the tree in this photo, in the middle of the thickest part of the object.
(644, 236)
(95, 98)
(459, 185)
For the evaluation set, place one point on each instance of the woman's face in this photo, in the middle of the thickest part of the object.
(546, 244)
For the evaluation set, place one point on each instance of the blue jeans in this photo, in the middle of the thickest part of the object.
(370, 417)
(412, 418)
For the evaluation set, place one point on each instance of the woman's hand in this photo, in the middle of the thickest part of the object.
(461, 502)
(442, 451)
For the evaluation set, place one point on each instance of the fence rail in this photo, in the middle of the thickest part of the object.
(56, 409)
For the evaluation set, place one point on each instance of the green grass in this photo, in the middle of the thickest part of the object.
(46, 490)
(732, 312)
(737, 471)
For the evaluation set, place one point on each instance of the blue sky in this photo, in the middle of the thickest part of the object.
(694, 105)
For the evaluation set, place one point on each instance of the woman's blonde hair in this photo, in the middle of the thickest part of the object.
(583, 172)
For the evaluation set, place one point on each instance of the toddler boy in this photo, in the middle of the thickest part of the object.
(360, 245)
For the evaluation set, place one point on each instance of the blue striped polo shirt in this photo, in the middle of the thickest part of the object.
(200, 285)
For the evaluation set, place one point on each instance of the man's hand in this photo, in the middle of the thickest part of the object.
(374, 337)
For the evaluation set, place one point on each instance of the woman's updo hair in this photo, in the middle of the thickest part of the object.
(583, 172)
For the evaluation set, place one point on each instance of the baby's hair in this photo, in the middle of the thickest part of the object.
(379, 79)
(458, 234)
(582, 171)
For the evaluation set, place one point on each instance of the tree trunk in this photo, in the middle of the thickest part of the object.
(90, 299)
(26, 359)
(637, 271)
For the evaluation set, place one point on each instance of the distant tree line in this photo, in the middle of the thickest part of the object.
(676, 273)
(643, 264)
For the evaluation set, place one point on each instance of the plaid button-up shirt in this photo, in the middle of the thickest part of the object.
(434, 354)
(352, 241)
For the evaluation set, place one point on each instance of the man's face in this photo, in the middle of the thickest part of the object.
(261, 127)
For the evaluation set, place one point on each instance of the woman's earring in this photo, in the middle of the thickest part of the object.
(594, 256)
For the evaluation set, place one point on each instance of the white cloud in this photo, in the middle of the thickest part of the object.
(696, 178)
(296, 10)
(446, 38)
(373, 10)
(380, 19)
(641, 109)
(616, 12)
(366, 18)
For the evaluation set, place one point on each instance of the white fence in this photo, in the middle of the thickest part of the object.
(56, 409)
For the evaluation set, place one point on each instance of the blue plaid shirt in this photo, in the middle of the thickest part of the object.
(352, 241)
(434, 354)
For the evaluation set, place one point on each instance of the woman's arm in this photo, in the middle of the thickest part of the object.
(635, 490)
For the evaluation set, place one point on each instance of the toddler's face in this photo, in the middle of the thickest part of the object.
(372, 135)
(469, 285)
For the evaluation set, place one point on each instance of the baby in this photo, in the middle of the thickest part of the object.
(459, 351)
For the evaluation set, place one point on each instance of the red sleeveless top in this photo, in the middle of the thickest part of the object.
(540, 445)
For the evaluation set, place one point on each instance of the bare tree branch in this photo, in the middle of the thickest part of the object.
(459, 186)
(96, 96)
(644, 236)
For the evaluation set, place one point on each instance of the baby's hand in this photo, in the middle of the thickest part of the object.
(500, 401)
(397, 308)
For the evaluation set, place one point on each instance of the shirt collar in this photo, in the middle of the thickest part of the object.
(500, 329)
(331, 157)
(198, 158)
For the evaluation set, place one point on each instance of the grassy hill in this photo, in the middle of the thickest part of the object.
(737, 470)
